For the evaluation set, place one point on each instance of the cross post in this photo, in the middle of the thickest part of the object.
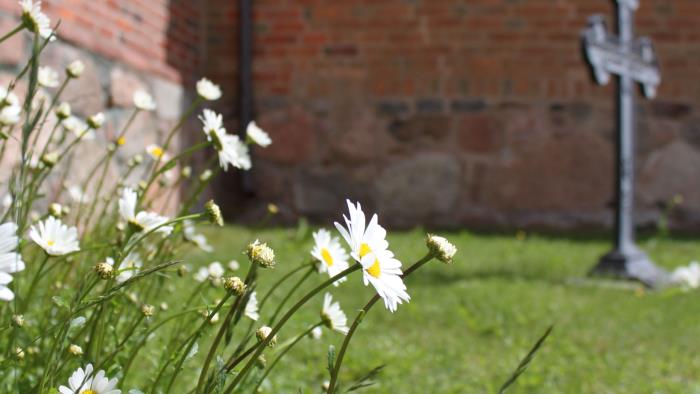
(631, 61)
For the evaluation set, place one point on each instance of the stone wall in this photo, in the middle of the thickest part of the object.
(465, 112)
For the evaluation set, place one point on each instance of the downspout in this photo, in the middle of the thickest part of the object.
(245, 82)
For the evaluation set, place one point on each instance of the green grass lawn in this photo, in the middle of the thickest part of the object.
(468, 324)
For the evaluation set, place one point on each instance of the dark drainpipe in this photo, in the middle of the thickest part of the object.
(245, 67)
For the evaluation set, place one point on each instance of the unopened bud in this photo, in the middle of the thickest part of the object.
(235, 285)
(75, 350)
(213, 213)
(55, 210)
(104, 270)
(147, 310)
(441, 248)
(18, 320)
(261, 254)
(263, 332)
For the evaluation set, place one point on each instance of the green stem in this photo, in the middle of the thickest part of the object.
(290, 292)
(284, 320)
(358, 320)
(12, 32)
(282, 353)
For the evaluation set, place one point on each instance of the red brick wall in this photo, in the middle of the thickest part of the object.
(449, 112)
(162, 37)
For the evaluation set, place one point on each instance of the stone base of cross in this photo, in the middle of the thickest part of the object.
(631, 61)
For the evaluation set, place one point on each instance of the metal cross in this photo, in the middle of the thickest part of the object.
(631, 60)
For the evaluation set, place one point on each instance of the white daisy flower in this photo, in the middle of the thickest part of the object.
(75, 69)
(316, 333)
(212, 122)
(208, 90)
(251, 308)
(213, 271)
(76, 195)
(332, 316)
(234, 152)
(83, 382)
(332, 257)
(56, 238)
(10, 261)
(688, 277)
(144, 101)
(78, 127)
(35, 20)
(7, 97)
(191, 235)
(257, 135)
(157, 153)
(48, 77)
(142, 221)
(7, 201)
(63, 111)
(129, 267)
(10, 114)
(369, 247)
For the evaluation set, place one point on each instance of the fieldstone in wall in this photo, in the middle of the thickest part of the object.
(85, 94)
(670, 171)
(414, 189)
(123, 84)
(170, 99)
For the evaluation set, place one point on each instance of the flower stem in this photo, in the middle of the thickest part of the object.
(284, 319)
(358, 320)
(290, 292)
(12, 32)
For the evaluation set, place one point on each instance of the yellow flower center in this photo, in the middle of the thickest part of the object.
(327, 257)
(50, 242)
(374, 269)
(157, 151)
(88, 392)
(364, 249)
(121, 141)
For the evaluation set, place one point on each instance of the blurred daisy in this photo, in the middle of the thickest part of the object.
(83, 382)
(144, 101)
(332, 257)
(142, 221)
(129, 267)
(78, 127)
(54, 237)
(75, 69)
(10, 115)
(234, 265)
(332, 316)
(257, 135)
(212, 123)
(76, 195)
(191, 235)
(316, 333)
(96, 121)
(156, 152)
(35, 20)
(7, 201)
(214, 271)
(10, 261)
(251, 308)
(369, 248)
(208, 90)
(7, 97)
(234, 152)
(47, 77)
(688, 277)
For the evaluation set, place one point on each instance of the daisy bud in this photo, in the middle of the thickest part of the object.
(214, 319)
(55, 210)
(263, 332)
(316, 333)
(133, 297)
(144, 101)
(326, 385)
(441, 248)
(18, 320)
(142, 185)
(104, 270)
(96, 121)
(205, 175)
(19, 353)
(111, 147)
(32, 350)
(75, 350)
(164, 306)
(65, 211)
(261, 362)
(147, 310)
(182, 271)
(260, 253)
(49, 159)
(235, 285)
(75, 69)
(186, 172)
(272, 208)
(138, 159)
(213, 213)
(63, 111)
